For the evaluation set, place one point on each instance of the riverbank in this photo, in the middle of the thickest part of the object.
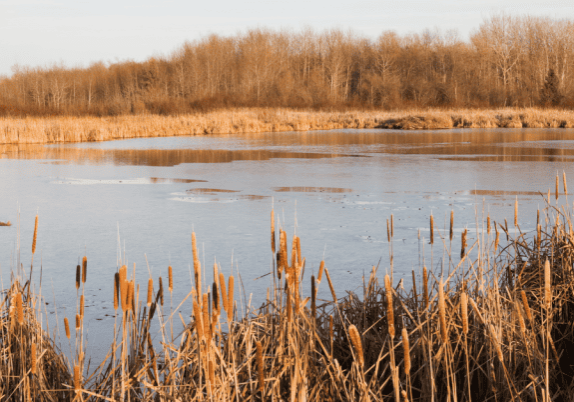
(38, 130)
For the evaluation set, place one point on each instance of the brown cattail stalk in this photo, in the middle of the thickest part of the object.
(488, 224)
(392, 226)
(77, 378)
(557, 186)
(149, 291)
(78, 322)
(521, 323)
(390, 309)
(82, 306)
(78, 276)
(426, 287)
(116, 289)
(464, 312)
(196, 264)
(35, 235)
(406, 351)
(357, 344)
(299, 258)
(313, 298)
(321, 268)
(516, 212)
(130, 298)
(206, 320)
(230, 301)
(223, 291)
(451, 231)
(289, 307)
(431, 229)
(260, 367)
(272, 232)
(215, 307)
(19, 308)
(67, 327)
(497, 240)
(331, 329)
(170, 278)
(388, 231)
(33, 359)
(463, 244)
(547, 286)
(124, 292)
(333, 294)
(161, 291)
(198, 319)
(526, 306)
(564, 181)
(84, 269)
(442, 314)
(538, 236)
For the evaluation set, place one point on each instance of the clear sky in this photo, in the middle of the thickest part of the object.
(77, 32)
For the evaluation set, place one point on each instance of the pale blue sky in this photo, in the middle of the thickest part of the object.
(76, 32)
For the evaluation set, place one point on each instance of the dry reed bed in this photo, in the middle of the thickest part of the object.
(36, 130)
(492, 322)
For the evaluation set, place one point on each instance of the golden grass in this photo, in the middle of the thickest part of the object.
(511, 344)
(40, 130)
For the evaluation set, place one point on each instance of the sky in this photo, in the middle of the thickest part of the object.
(76, 33)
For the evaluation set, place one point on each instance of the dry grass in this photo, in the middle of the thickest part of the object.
(515, 341)
(38, 130)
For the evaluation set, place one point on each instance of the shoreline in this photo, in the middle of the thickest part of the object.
(65, 129)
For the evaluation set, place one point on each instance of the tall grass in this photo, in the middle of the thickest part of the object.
(496, 325)
(40, 130)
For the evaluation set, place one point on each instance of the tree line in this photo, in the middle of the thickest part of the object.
(508, 61)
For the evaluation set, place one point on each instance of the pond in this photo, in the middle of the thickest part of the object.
(138, 200)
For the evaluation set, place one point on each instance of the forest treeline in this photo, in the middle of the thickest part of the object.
(507, 62)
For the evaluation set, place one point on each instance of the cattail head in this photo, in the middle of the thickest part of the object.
(161, 291)
(223, 291)
(149, 291)
(392, 226)
(521, 323)
(19, 308)
(516, 212)
(390, 309)
(464, 312)
(426, 287)
(82, 306)
(33, 357)
(488, 224)
(564, 181)
(357, 344)
(84, 269)
(547, 286)
(77, 378)
(170, 278)
(197, 315)
(272, 231)
(442, 313)
(78, 276)
(538, 235)
(78, 322)
(130, 296)
(260, 366)
(196, 264)
(116, 289)
(388, 231)
(230, 300)
(67, 327)
(313, 298)
(35, 235)
(431, 229)
(215, 292)
(331, 285)
(497, 239)
(451, 231)
(321, 268)
(331, 328)
(557, 186)
(406, 351)
(206, 320)
(463, 243)
(525, 305)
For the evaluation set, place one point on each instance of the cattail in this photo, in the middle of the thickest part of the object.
(215, 292)
(206, 321)
(198, 319)
(170, 278)
(67, 327)
(124, 293)
(331, 285)
(388, 232)
(392, 226)
(77, 378)
(130, 298)
(282, 257)
(33, 359)
(289, 307)
(116, 289)
(78, 276)
(299, 260)
(82, 306)
(426, 287)
(260, 366)
(557, 185)
(497, 240)
(78, 322)
(406, 351)
(464, 312)
(476, 310)
(35, 235)
(313, 298)
(521, 323)
(516, 212)
(272, 232)
(390, 310)
(431, 229)
(321, 268)
(149, 291)
(463, 243)
(196, 264)
(357, 344)
(19, 308)
(525, 305)
(547, 286)
(223, 291)
(488, 224)
(442, 313)
(415, 295)
(331, 329)
(496, 343)
(564, 180)
(230, 300)
(84, 269)
(211, 368)
(161, 291)
(538, 236)
(451, 232)
(548, 196)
